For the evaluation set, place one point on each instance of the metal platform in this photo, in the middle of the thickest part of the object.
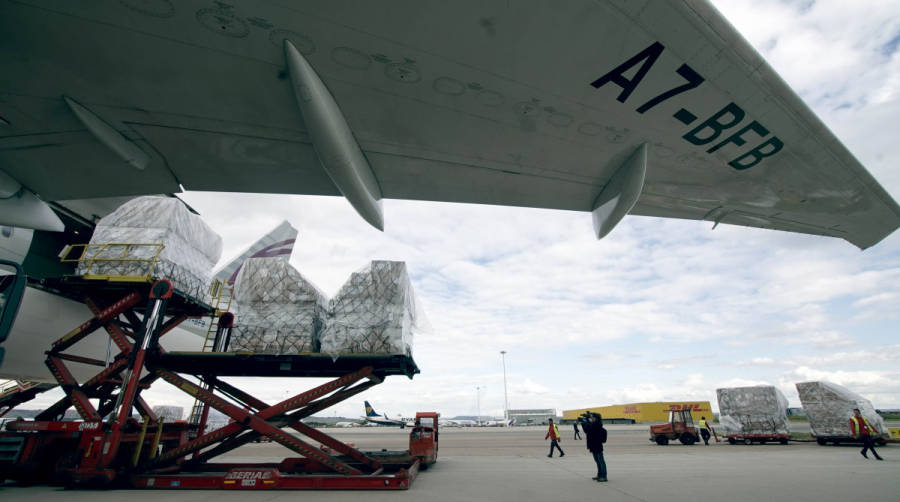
(110, 448)
(78, 288)
(291, 365)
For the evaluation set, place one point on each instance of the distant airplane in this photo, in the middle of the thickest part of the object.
(348, 424)
(374, 418)
(458, 423)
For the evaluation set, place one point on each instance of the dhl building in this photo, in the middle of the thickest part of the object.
(645, 412)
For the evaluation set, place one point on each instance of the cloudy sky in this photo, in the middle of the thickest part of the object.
(660, 309)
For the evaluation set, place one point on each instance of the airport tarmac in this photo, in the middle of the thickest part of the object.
(511, 465)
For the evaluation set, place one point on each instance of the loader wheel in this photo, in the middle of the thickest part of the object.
(662, 440)
(783, 441)
(748, 441)
(821, 441)
(731, 441)
(687, 439)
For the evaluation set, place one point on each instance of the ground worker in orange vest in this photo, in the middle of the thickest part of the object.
(862, 429)
(553, 435)
(704, 430)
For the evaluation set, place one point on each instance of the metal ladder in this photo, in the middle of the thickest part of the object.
(222, 294)
(10, 449)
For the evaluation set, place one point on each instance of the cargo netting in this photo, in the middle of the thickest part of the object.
(753, 410)
(829, 407)
(374, 312)
(169, 413)
(278, 310)
(172, 243)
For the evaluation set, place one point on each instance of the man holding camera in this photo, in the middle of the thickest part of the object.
(595, 434)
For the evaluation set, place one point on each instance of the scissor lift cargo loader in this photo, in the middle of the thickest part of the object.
(108, 447)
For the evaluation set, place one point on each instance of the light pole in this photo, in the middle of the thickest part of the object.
(478, 404)
(505, 398)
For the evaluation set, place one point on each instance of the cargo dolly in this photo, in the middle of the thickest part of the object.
(108, 447)
(749, 439)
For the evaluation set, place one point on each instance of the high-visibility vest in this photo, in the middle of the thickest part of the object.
(555, 432)
(702, 424)
(858, 428)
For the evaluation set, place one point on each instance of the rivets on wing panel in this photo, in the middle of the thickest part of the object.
(449, 86)
(304, 44)
(403, 72)
(490, 98)
(154, 8)
(223, 22)
(560, 119)
(349, 57)
(591, 129)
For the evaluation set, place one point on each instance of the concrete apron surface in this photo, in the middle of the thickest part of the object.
(512, 466)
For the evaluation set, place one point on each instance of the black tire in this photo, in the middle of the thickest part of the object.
(687, 438)
(821, 441)
(731, 441)
(662, 440)
(748, 441)
(881, 442)
(783, 440)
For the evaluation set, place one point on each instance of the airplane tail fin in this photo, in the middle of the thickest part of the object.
(277, 243)
(370, 412)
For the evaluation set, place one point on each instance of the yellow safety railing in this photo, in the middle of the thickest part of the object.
(108, 253)
(221, 294)
(12, 386)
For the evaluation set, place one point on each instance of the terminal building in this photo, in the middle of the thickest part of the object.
(644, 412)
(531, 417)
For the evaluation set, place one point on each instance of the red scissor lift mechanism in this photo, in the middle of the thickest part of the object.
(110, 448)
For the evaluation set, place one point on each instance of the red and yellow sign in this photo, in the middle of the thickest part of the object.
(646, 412)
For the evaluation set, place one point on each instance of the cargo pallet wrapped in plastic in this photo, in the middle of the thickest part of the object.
(374, 312)
(758, 412)
(169, 413)
(173, 243)
(829, 407)
(278, 310)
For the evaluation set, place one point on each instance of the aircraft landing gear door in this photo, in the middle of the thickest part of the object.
(12, 287)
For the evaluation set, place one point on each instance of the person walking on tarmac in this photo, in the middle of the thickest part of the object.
(862, 429)
(577, 435)
(704, 430)
(595, 436)
(553, 435)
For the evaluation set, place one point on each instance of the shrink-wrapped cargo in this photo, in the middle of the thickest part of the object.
(374, 312)
(278, 310)
(760, 410)
(829, 407)
(169, 413)
(184, 247)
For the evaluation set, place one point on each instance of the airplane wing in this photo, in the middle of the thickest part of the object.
(653, 108)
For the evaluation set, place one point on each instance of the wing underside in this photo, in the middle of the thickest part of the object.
(535, 105)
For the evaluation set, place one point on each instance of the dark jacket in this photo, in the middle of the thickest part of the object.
(595, 435)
